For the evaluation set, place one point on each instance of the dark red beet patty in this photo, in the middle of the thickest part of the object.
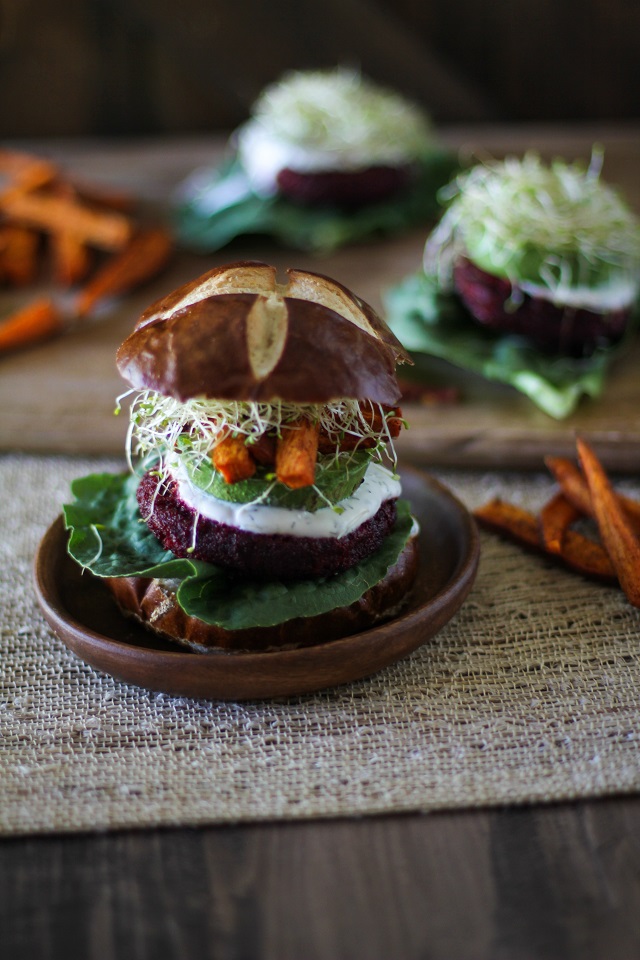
(273, 556)
(352, 188)
(567, 330)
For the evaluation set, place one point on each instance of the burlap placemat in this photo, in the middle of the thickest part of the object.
(530, 694)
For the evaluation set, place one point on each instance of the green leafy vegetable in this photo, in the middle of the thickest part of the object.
(225, 207)
(435, 323)
(237, 604)
(108, 537)
(336, 478)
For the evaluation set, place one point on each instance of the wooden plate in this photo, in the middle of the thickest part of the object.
(82, 614)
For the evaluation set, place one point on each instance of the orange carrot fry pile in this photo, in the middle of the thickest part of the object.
(585, 491)
(75, 234)
(575, 488)
(48, 212)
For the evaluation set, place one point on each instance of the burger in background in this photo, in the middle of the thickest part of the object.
(531, 278)
(327, 157)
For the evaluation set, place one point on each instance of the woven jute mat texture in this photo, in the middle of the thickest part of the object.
(530, 694)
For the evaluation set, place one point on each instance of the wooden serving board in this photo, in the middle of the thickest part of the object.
(59, 397)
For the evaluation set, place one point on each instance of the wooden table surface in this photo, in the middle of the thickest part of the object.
(72, 409)
(505, 884)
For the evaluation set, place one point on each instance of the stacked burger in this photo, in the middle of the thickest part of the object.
(332, 137)
(263, 510)
(531, 277)
(326, 158)
(548, 252)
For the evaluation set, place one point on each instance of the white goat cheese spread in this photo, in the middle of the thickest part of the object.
(378, 485)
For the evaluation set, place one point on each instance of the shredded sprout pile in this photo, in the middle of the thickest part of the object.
(338, 111)
(158, 423)
(558, 226)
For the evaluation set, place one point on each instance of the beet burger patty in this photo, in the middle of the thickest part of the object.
(269, 555)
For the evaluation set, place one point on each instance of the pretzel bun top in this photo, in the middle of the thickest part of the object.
(235, 333)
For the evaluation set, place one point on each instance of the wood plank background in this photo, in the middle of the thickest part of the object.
(59, 396)
(559, 883)
(130, 67)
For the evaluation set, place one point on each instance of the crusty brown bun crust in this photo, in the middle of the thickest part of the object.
(153, 603)
(235, 333)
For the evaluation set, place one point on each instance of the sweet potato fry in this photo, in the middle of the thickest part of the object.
(392, 419)
(37, 321)
(104, 197)
(578, 552)
(575, 488)
(231, 458)
(263, 450)
(328, 444)
(71, 258)
(571, 482)
(143, 257)
(616, 531)
(556, 517)
(587, 557)
(104, 229)
(15, 162)
(374, 418)
(25, 172)
(18, 255)
(511, 521)
(296, 453)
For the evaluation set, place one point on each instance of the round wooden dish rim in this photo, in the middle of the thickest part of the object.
(248, 675)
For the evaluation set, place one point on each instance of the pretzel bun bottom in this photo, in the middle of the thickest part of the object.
(153, 604)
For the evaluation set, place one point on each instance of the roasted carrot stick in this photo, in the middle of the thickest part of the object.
(296, 452)
(575, 488)
(143, 257)
(34, 322)
(556, 517)
(232, 459)
(616, 531)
